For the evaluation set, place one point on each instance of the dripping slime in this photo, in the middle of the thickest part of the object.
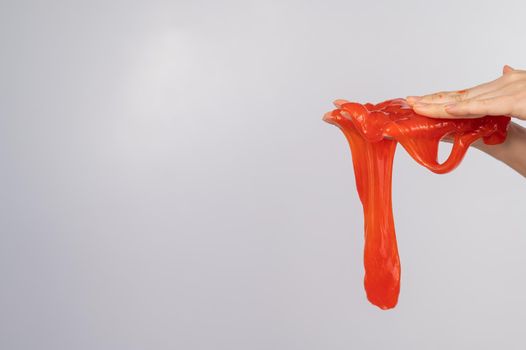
(373, 132)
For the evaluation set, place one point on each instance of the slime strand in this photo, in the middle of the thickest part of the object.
(373, 132)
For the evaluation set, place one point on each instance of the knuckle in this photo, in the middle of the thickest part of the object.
(438, 95)
(514, 76)
(507, 78)
(470, 107)
(459, 97)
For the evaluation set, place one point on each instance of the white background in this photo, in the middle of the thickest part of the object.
(166, 181)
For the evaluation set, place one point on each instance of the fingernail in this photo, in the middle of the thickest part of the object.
(420, 104)
(413, 99)
(451, 105)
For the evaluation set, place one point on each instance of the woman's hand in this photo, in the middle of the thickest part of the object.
(503, 96)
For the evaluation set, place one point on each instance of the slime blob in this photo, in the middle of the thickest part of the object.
(373, 132)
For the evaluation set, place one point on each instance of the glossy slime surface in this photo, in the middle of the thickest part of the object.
(373, 132)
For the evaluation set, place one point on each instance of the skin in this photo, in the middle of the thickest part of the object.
(505, 95)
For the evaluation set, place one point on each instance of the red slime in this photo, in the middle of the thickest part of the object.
(373, 132)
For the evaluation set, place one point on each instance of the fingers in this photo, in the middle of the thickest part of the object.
(499, 105)
(465, 94)
(502, 96)
(504, 90)
(434, 110)
(446, 110)
(461, 95)
(441, 97)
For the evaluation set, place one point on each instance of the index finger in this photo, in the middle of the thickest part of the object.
(458, 95)
(441, 97)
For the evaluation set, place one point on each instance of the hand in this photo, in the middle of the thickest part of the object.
(503, 96)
